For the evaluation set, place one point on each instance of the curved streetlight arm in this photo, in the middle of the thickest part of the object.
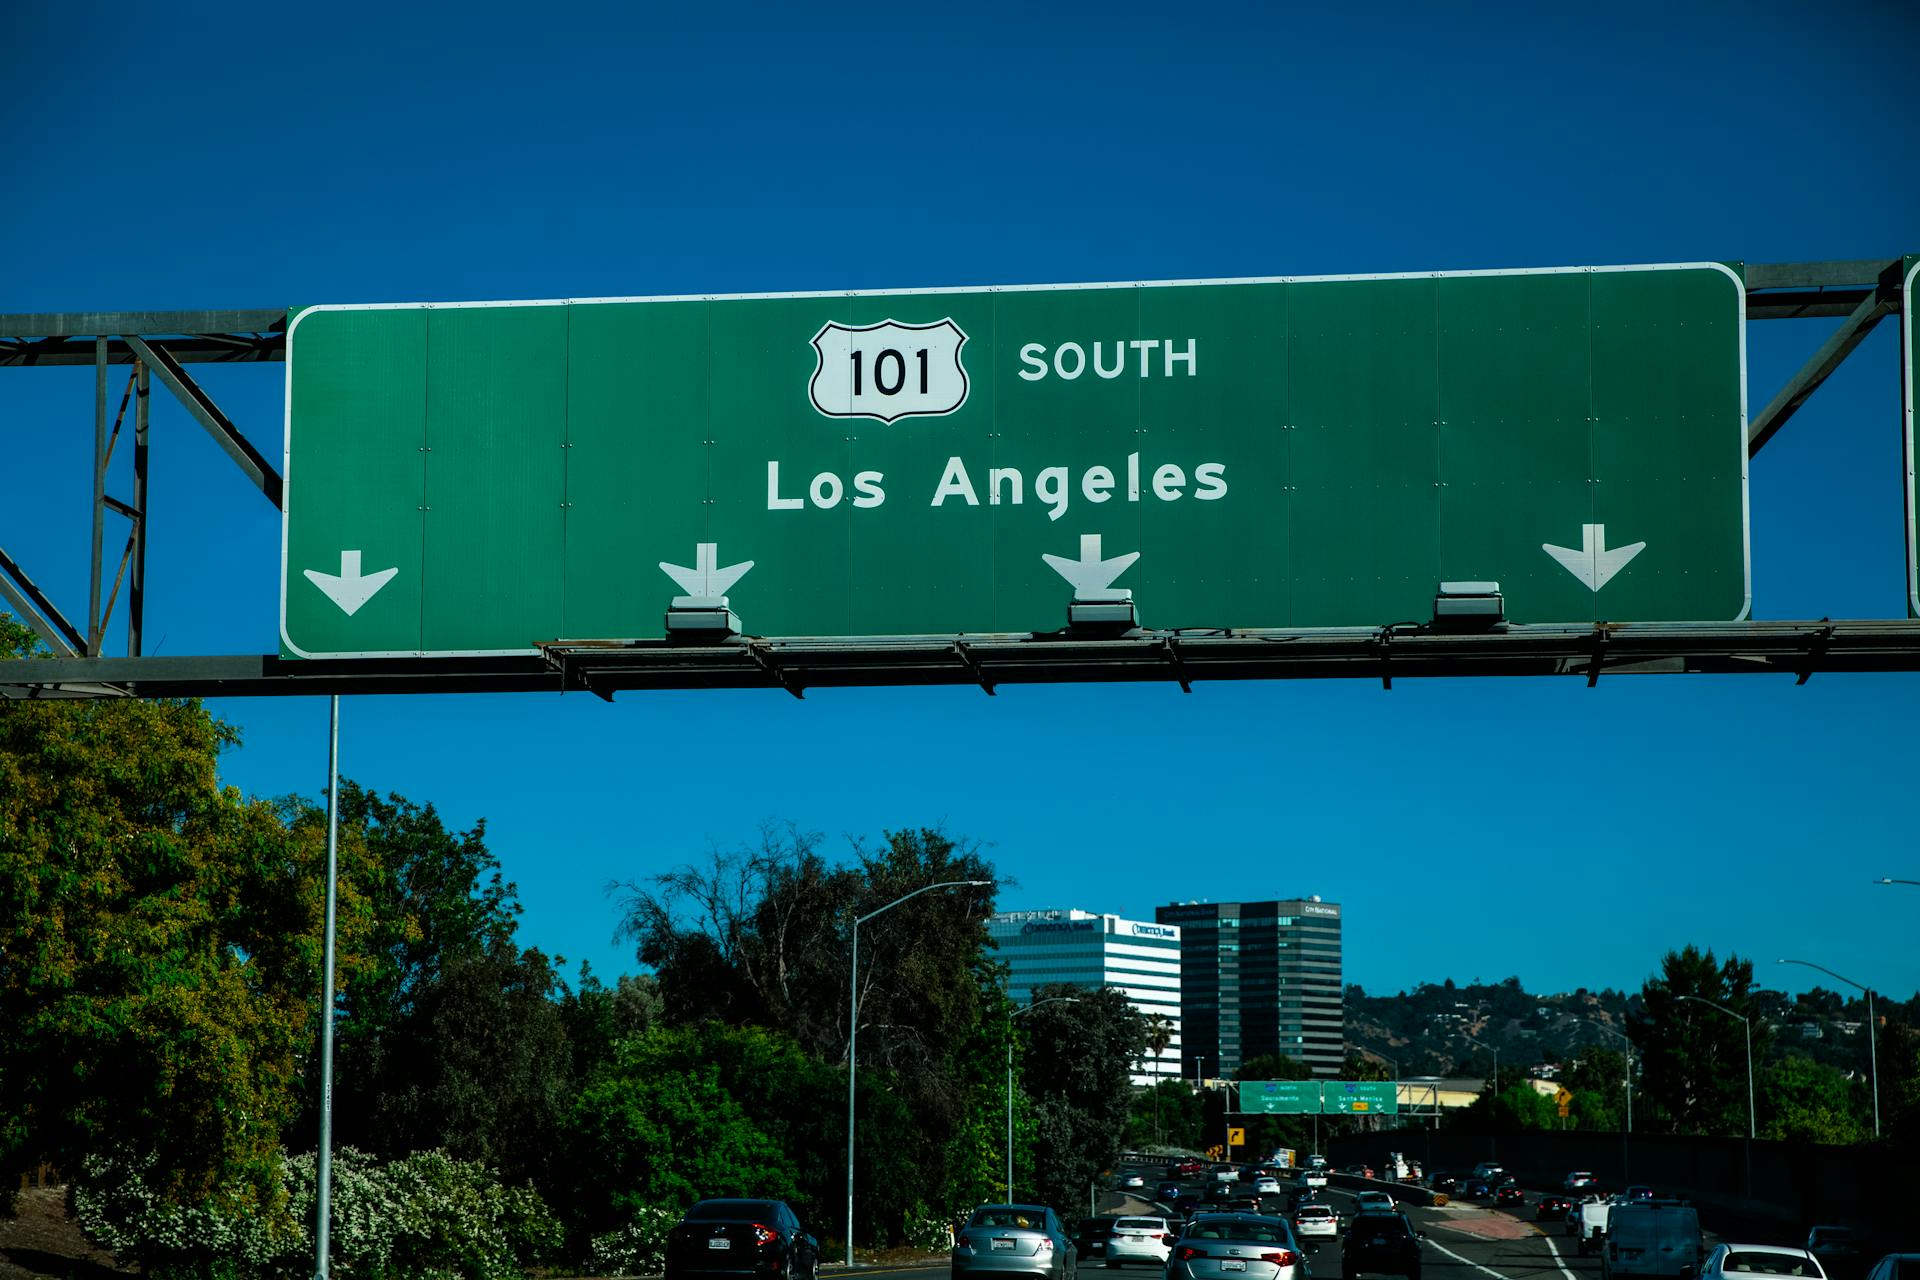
(1873, 1046)
(1722, 1008)
(1886, 880)
(1010, 1017)
(1626, 1040)
(944, 884)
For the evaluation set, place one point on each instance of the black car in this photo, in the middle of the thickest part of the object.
(1381, 1242)
(1167, 1192)
(1441, 1181)
(1090, 1237)
(1475, 1189)
(1509, 1193)
(1552, 1209)
(732, 1238)
(1187, 1206)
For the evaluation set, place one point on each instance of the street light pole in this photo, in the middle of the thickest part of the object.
(1010, 1017)
(1873, 1048)
(1494, 1092)
(853, 1024)
(1886, 880)
(1623, 1038)
(1752, 1129)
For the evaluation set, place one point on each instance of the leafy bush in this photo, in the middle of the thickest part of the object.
(423, 1217)
(639, 1248)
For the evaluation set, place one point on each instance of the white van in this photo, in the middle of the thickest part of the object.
(1651, 1238)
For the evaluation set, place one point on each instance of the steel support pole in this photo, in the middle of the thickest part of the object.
(1873, 1062)
(323, 1162)
(1009, 1112)
(99, 492)
(853, 1035)
(137, 585)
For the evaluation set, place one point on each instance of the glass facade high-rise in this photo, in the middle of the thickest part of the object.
(1139, 959)
(1258, 978)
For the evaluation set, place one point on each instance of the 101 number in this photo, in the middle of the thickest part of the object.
(880, 371)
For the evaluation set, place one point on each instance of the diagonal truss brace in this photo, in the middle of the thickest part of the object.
(198, 403)
(1879, 302)
(32, 606)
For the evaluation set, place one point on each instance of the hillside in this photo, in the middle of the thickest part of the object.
(1425, 1028)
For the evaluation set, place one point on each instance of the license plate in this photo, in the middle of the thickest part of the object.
(719, 1243)
(1003, 1244)
(1232, 1264)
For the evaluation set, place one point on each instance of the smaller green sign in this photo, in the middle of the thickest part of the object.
(1362, 1097)
(1280, 1097)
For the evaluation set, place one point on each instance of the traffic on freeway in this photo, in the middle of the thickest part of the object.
(1189, 1219)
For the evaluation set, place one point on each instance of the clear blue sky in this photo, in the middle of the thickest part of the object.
(262, 157)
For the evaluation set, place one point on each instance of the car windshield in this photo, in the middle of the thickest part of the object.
(1141, 1224)
(1029, 1219)
(1316, 1212)
(731, 1210)
(1251, 1232)
(1767, 1262)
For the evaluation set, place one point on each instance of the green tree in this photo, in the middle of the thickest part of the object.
(1167, 1113)
(1693, 1058)
(1273, 1066)
(1078, 1072)
(158, 947)
(1800, 1100)
(1597, 1079)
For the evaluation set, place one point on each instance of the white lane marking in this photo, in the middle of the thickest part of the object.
(1555, 1251)
(1469, 1261)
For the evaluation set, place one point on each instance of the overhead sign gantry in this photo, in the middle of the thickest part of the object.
(1274, 477)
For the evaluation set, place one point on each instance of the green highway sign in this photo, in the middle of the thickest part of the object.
(1909, 359)
(1362, 1097)
(1280, 1097)
(477, 478)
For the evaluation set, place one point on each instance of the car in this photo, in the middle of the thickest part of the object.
(1380, 1242)
(1736, 1261)
(1132, 1182)
(1014, 1239)
(1490, 1169)
(1090, 1235)
(1225, 1173)
(1140, 1240)
(1508, 1193)
(1184, 1168)
(1316, 1222)
(1237, 1246)
(1372, 1202)
(1187, 1206)
(1313, 1176)
(1441, 1180)
(1651, 1238)
(1476, 1188)
(1167, 1192)
(1266, 1185)
(1578, 1180)
(1896, 1266)
(1358, 1171)
(1841, 1252)
(1316, 1161)
(737, 1238)
(1552, 1209)
(1633, 1193)
(1587, 1222)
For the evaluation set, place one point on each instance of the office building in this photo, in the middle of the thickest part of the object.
(1257, 978)
(1138, 959)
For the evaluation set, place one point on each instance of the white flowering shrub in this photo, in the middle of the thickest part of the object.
(424, 1217)
(637, 1249)
(925, 1229)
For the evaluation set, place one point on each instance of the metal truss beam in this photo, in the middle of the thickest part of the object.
(1880, 301)
(237, 447)
(38, 612)
(1797, 649)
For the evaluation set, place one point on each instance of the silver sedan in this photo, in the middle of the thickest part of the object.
(1014, 1239)
(1236, 1246)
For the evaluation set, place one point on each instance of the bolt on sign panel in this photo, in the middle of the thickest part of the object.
(477, 478)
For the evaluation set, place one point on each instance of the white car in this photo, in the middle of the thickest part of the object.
(1140, 1240)
(1740, 1261)
(1266, 1186)
(1316, 1222)
(1132, 1181)
(1313, 1176)
(1578, 1180)
(1373, 1201)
